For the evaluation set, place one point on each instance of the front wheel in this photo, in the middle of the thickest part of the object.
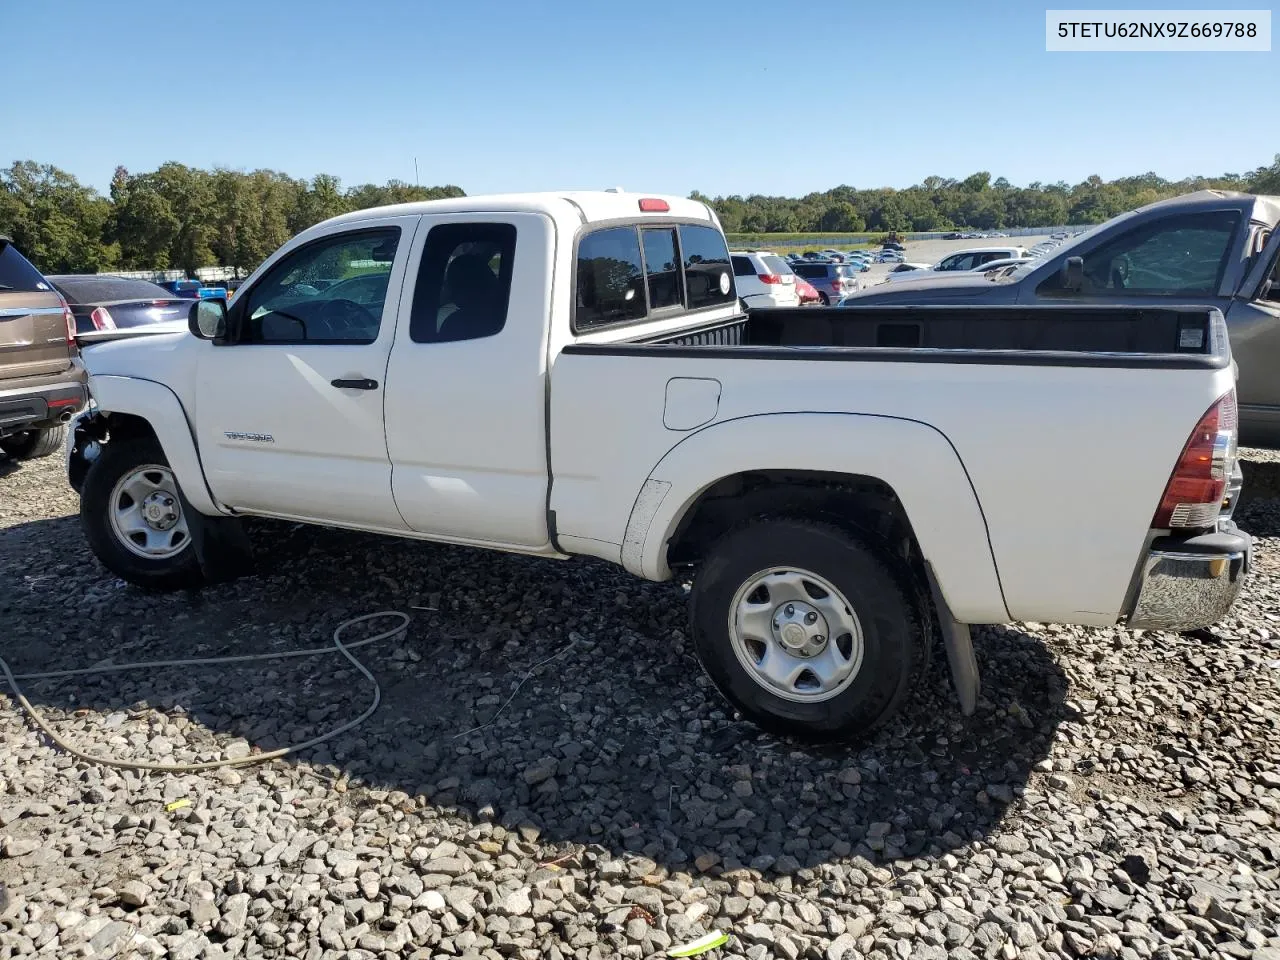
(133, 517)
(806, 629)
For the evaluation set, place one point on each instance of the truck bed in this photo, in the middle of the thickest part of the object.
(1175, 337)
(1057, 427)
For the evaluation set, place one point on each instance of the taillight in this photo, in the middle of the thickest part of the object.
(769, 277)
(69, 319)
(101, 319)
(1193, 496)
(835, 284)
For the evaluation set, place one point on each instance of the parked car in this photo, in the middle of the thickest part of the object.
(830, 505)
(831, 280)
(807, 292)
(975, 257)
(764, 279)
(890, 256)
(42, 382)
(1213, 248)
(892, 245)
(905, 270)
(192, 289)
(103, 302)
(953, 235)
(1004, 264)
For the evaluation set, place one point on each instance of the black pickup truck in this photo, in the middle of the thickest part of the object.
(1212, 248)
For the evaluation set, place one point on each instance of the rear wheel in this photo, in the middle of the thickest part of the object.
(826, 301)
(30, 444)
(133, 517)
(807, 629)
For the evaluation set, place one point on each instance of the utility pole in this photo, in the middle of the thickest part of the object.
(415, 171)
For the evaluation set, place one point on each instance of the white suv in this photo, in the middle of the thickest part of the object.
(764, 279)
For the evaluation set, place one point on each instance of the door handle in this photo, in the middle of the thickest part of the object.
(363, 384)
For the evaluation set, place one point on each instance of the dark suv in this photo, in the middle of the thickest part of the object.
(42, 382)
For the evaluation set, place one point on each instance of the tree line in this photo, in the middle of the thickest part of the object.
(977, 202)
(174, 217)
(183, 217)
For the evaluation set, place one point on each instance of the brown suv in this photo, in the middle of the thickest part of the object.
(42, 381)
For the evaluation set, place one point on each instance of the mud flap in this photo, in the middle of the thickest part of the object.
(959, 644)
(221, 545)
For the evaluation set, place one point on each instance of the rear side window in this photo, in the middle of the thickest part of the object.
(610, 278)
(706, 259)
(742, 267)
(16, 273)
(809, 270)
(464, 282)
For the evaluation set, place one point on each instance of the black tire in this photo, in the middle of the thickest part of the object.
(895, 633)
(40, 442)
(119, 457)
(826, 301)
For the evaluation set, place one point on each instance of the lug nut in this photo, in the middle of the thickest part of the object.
(811, 618)
(791, 610)
(819, 639)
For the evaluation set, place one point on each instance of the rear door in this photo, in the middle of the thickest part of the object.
(33, 330)
(466, 401)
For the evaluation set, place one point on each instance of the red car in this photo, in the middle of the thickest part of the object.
(808, 292)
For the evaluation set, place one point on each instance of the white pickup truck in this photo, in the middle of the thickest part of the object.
(570, 374)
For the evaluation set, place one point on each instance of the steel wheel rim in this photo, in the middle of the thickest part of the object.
(146, 513)
(795, 634)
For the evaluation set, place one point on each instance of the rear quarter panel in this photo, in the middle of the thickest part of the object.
(1067, 462)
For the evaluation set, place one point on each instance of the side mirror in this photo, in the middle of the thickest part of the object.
(1073, 273)
(207, 319)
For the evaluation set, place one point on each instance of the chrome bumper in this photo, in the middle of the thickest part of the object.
(1191, 583)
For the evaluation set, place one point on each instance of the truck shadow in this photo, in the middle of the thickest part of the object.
(618, 744)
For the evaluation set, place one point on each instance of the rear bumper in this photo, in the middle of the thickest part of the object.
(1191, 582)
(27, 407)
(771, 299)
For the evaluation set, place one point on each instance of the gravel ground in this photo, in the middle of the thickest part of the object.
(1116, 794)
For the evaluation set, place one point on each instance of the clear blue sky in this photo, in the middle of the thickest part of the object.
(724, 97)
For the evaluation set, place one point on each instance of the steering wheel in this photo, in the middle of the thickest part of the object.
(343, 316)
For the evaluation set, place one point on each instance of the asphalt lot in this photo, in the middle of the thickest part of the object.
(931, 251)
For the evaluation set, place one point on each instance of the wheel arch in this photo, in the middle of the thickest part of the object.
(898, 479)
(132, 407)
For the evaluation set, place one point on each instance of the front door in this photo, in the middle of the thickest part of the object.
(290, 413)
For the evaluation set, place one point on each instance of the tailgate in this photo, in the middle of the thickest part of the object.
(33, 335)
(33, 330)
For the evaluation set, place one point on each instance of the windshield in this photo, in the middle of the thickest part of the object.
(845, 271)
(776, 265)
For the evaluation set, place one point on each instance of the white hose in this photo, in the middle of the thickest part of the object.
(338, 647)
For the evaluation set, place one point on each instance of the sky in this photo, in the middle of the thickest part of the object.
(499, 95)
